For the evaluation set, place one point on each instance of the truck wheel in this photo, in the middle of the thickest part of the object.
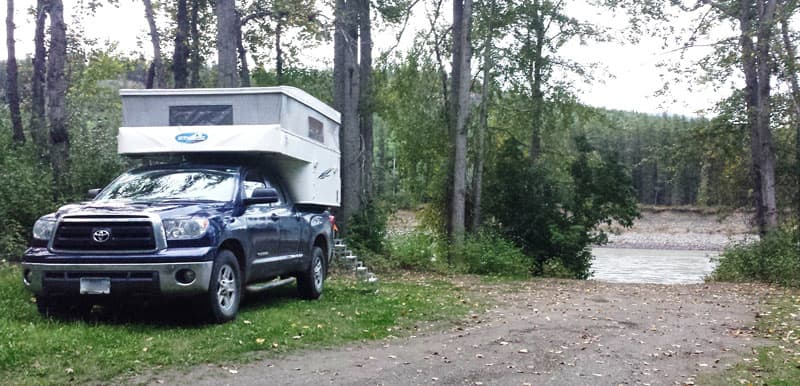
(225, 289)
(310, 282)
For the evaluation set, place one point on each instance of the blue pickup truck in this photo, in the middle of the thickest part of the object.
(201, 230)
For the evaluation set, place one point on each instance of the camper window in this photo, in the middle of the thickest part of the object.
(315, 130)
(206, 115)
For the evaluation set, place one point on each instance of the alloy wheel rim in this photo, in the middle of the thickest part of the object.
(226, 291)
(318, 273)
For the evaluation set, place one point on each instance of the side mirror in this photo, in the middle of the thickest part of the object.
(262, 196)
(92, 193)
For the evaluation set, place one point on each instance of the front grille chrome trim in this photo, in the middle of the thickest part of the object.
(159, 235)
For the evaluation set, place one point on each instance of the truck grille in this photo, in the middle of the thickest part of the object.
(104, 235)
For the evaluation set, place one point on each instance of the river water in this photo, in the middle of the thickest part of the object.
(661, 266)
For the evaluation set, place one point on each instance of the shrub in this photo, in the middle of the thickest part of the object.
(555, 216)
(25, 194)
(773, 259)
(419, 250)
(366, 230)
(488, 253)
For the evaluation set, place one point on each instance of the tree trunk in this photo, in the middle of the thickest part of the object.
(38, 121)
(226, 43)
(765, 28)
(756, 68)
(12, 89)
(278, 49)
(195, 62)
(244, 71)
(346, 97)
(180, 57)
(56, 94)
(380, 161)
(462, 25)
(365, 107)
(537, 120)
(483, 125)
(157, 78)
(791, 69)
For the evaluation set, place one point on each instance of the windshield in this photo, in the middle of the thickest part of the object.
(152, 185)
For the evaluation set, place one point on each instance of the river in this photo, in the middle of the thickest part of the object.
(661, 266)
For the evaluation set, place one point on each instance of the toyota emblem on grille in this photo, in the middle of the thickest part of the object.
(101, 235)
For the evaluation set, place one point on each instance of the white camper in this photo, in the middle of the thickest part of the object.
(297, 134)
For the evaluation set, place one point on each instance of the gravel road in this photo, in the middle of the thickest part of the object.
(555, 332)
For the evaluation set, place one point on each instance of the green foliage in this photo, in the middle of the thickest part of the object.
(556, 269)
(420, 251)
(25, 194)
(95, 116)
(773, 259)
(318, 83)
(488, 253)
(366, 230)
(669, 163)
(553, 220)
(410, 102)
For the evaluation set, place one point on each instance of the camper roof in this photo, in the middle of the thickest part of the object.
(296, 93)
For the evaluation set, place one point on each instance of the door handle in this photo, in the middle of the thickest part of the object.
(274, 217)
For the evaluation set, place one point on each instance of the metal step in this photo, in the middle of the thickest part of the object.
(351, 261)
(362, 273)
(258, 287)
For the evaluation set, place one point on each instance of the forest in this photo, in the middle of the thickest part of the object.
(477, 125)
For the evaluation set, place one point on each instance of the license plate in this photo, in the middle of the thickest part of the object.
(95, 286)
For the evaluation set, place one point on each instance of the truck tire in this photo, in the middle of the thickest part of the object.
(225, 289)
(310, 283)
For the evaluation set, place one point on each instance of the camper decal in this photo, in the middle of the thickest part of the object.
(191, 137)
(327, 173)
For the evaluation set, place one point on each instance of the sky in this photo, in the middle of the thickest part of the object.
(628, 79)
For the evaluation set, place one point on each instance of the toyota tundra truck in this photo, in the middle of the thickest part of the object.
(244, 204)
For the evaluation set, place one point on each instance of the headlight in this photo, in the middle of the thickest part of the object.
(43, 228)
(185, 228)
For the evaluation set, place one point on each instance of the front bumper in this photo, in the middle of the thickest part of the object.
(54, 276)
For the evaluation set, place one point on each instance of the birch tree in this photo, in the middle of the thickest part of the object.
(751, 51)
(57, 92)
(790, 59)
(180, 56)
(38, 126)
(155, 75)
(12, 89)
(459, 112)
(345, 99)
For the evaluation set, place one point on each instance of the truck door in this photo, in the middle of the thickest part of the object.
(293, 233)
(263, 227)
(289, 224)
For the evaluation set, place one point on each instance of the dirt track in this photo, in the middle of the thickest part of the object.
(554, 332)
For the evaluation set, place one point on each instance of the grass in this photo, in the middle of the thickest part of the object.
(777, 364)
(37, 350)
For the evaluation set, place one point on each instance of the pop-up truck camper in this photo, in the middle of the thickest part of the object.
(235, 195)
